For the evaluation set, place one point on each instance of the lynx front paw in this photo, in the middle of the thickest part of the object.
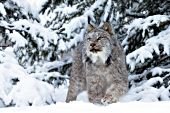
(108, 99)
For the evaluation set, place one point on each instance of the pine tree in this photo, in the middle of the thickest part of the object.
(43, 40)
(147, 46)
(34, 44)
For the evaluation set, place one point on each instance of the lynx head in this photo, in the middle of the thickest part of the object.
(97, 43)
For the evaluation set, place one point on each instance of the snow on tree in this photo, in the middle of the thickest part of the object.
(40, 39)
(43, 34)
(17, 88)
(34, 45)
(147, 47)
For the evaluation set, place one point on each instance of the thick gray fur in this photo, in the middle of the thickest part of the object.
(104, 76)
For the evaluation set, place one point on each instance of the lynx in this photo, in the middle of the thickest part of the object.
(99, 67)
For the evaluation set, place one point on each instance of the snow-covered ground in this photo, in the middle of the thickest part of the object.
(82, 107)
(19, 88)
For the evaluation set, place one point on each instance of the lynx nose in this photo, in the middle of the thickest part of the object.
(92, 44)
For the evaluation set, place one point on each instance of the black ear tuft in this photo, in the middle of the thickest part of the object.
(90, 27)
(88, 20)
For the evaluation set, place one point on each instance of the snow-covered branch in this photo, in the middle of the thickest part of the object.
(151, 45)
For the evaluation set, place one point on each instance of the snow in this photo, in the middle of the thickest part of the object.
(31, 91)
(107, 9)
(151, 45)
(144, 92)
(83, 107)
(157, 70)
(145, 23)
(19, 88)
(2, 10)
(62, 45)
(139, 55)
(161, 39)
(30, 6)
(34, 29)
(18, 39)
(74, 29)
(28, 90)
(8, 56)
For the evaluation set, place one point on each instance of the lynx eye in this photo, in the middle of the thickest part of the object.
(88, 38)
(99, 38)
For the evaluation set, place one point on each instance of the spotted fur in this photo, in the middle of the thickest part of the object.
(99, 67)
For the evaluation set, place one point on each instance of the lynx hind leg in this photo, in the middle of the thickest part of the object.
(77, 81)
(76, 86)
(113, 93)
(72, 91)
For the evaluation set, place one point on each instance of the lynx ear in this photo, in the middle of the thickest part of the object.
(107, 27)
(90, 28)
